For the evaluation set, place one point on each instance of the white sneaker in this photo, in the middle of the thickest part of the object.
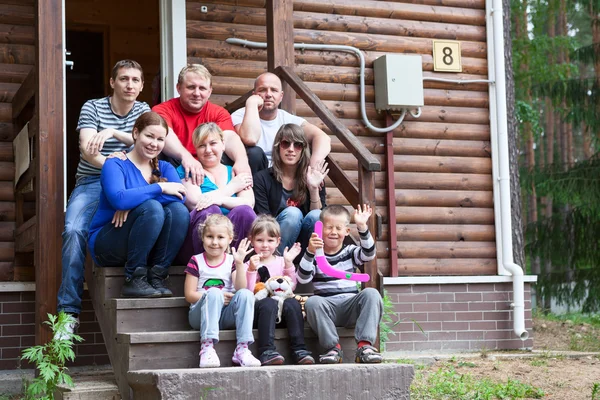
(70, 329)
(243, 357)
(209, 358)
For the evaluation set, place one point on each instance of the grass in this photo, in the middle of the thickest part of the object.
(576, 318)
(596, 391)
(447, 383)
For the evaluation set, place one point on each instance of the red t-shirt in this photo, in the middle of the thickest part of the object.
(183, 123)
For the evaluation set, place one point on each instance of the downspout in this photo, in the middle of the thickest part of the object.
(501, 163)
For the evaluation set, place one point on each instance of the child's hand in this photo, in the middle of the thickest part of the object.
(361, 216)
(241, 252)
(290, 255)
(314, 243)
(227, 297)
(254, 263)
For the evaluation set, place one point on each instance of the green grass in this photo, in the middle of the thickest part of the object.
(446, 383)
(596, 391)
(576, 318)
(539, 362)
(584, 342)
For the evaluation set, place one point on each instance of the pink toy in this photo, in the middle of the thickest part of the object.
(328, 269)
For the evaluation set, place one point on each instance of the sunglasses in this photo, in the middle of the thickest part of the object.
(286, 144)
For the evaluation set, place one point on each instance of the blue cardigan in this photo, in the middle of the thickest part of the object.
(124, 188)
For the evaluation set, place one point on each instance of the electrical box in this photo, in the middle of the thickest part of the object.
(398, 82)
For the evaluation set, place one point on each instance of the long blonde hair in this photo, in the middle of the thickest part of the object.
(292, 133)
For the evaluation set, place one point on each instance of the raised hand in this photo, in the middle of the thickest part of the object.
(119, 218)
(241, 252)
(315, 176)
(289, 255)
(314, 243)
(361, 216)
(173, 188)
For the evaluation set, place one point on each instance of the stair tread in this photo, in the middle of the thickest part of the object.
(120, 271)
(193, 335)
(161, 302)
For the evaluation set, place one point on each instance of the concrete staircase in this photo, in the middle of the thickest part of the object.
(149, 338)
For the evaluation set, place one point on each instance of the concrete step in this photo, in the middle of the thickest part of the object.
(90, 385)
(179, 349)
(332, 382)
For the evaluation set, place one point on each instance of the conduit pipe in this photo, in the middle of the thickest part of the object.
(501, 168)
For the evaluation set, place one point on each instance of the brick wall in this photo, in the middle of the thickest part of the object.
(456, 317)
(17, 331)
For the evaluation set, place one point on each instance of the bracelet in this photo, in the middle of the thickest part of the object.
(315, 201)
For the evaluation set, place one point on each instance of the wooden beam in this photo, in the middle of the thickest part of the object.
(366, 195)
(280, 44)
(49, 182)
(24, 95)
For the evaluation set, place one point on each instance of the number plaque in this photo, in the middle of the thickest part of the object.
(446, 56)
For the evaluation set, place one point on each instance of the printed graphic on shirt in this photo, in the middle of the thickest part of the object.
(213, 283)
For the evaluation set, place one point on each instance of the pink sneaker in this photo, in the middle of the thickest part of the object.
(242, 356)
(209, 358)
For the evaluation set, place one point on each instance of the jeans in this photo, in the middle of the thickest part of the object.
(296, 227)
(265, 314)
(241, 217)
(151, 236)
(209, 315)
(80, 210)
(362, 311)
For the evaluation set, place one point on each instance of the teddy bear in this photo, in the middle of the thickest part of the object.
(278, 287)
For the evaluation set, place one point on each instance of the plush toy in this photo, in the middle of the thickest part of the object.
(302, 301)
(278, 287)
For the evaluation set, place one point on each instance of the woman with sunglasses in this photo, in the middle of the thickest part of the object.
(291, 190)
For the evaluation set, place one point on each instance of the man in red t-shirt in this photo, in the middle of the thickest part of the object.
(192, 108)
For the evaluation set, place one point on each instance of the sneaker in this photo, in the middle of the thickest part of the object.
(157, 278)
(271, 357)
(137, 285)
(209, 358)
(368, 354)
(70, 328)
(243, 357)
(303, 357)
(333, 356)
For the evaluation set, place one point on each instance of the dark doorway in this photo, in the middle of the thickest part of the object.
(84, 82)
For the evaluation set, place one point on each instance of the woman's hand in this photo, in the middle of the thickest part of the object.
(290, 255)
(119, 218)
(240, 182)
(118, 154)
(241, 252)
(173, 189)
(205, 200)
(315, 176)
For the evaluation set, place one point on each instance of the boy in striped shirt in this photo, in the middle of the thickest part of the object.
(337, 302)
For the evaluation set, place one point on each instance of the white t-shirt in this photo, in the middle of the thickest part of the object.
(269, 128)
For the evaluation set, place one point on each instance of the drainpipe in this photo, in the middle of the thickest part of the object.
(501, 164)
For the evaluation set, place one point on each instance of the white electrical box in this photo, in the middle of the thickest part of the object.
(398, 82)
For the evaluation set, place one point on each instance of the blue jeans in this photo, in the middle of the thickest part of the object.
(151, 236)
(209, 315)
(80, 210)
(296, 227)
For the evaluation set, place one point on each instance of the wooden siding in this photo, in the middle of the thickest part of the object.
(442, 164)
(17, 57)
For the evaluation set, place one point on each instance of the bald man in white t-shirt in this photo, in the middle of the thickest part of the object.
(260, 120)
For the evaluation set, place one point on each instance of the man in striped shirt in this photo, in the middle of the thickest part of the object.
(104, 128)
(337, 302)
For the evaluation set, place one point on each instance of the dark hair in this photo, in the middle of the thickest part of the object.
(335, 210)
(292, 133)
(126, 64)
(145, 120)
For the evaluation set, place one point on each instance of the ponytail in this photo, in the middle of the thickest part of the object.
(156, 174)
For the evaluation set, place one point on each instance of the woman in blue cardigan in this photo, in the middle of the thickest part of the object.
(141, 220)
(291, 190)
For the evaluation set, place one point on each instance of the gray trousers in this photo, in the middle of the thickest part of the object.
(362, 311)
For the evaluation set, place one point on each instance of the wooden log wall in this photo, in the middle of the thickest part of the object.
(17, 57)
(442, 165)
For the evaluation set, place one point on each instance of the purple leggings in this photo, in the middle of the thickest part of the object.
(241, 217)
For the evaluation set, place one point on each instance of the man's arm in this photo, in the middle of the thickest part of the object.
(173, 148)
(319, 141)
(234, 148)
(93, 157)
(95, 143)
(250, 129)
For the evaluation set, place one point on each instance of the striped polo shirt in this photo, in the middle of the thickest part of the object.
(97, 114)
